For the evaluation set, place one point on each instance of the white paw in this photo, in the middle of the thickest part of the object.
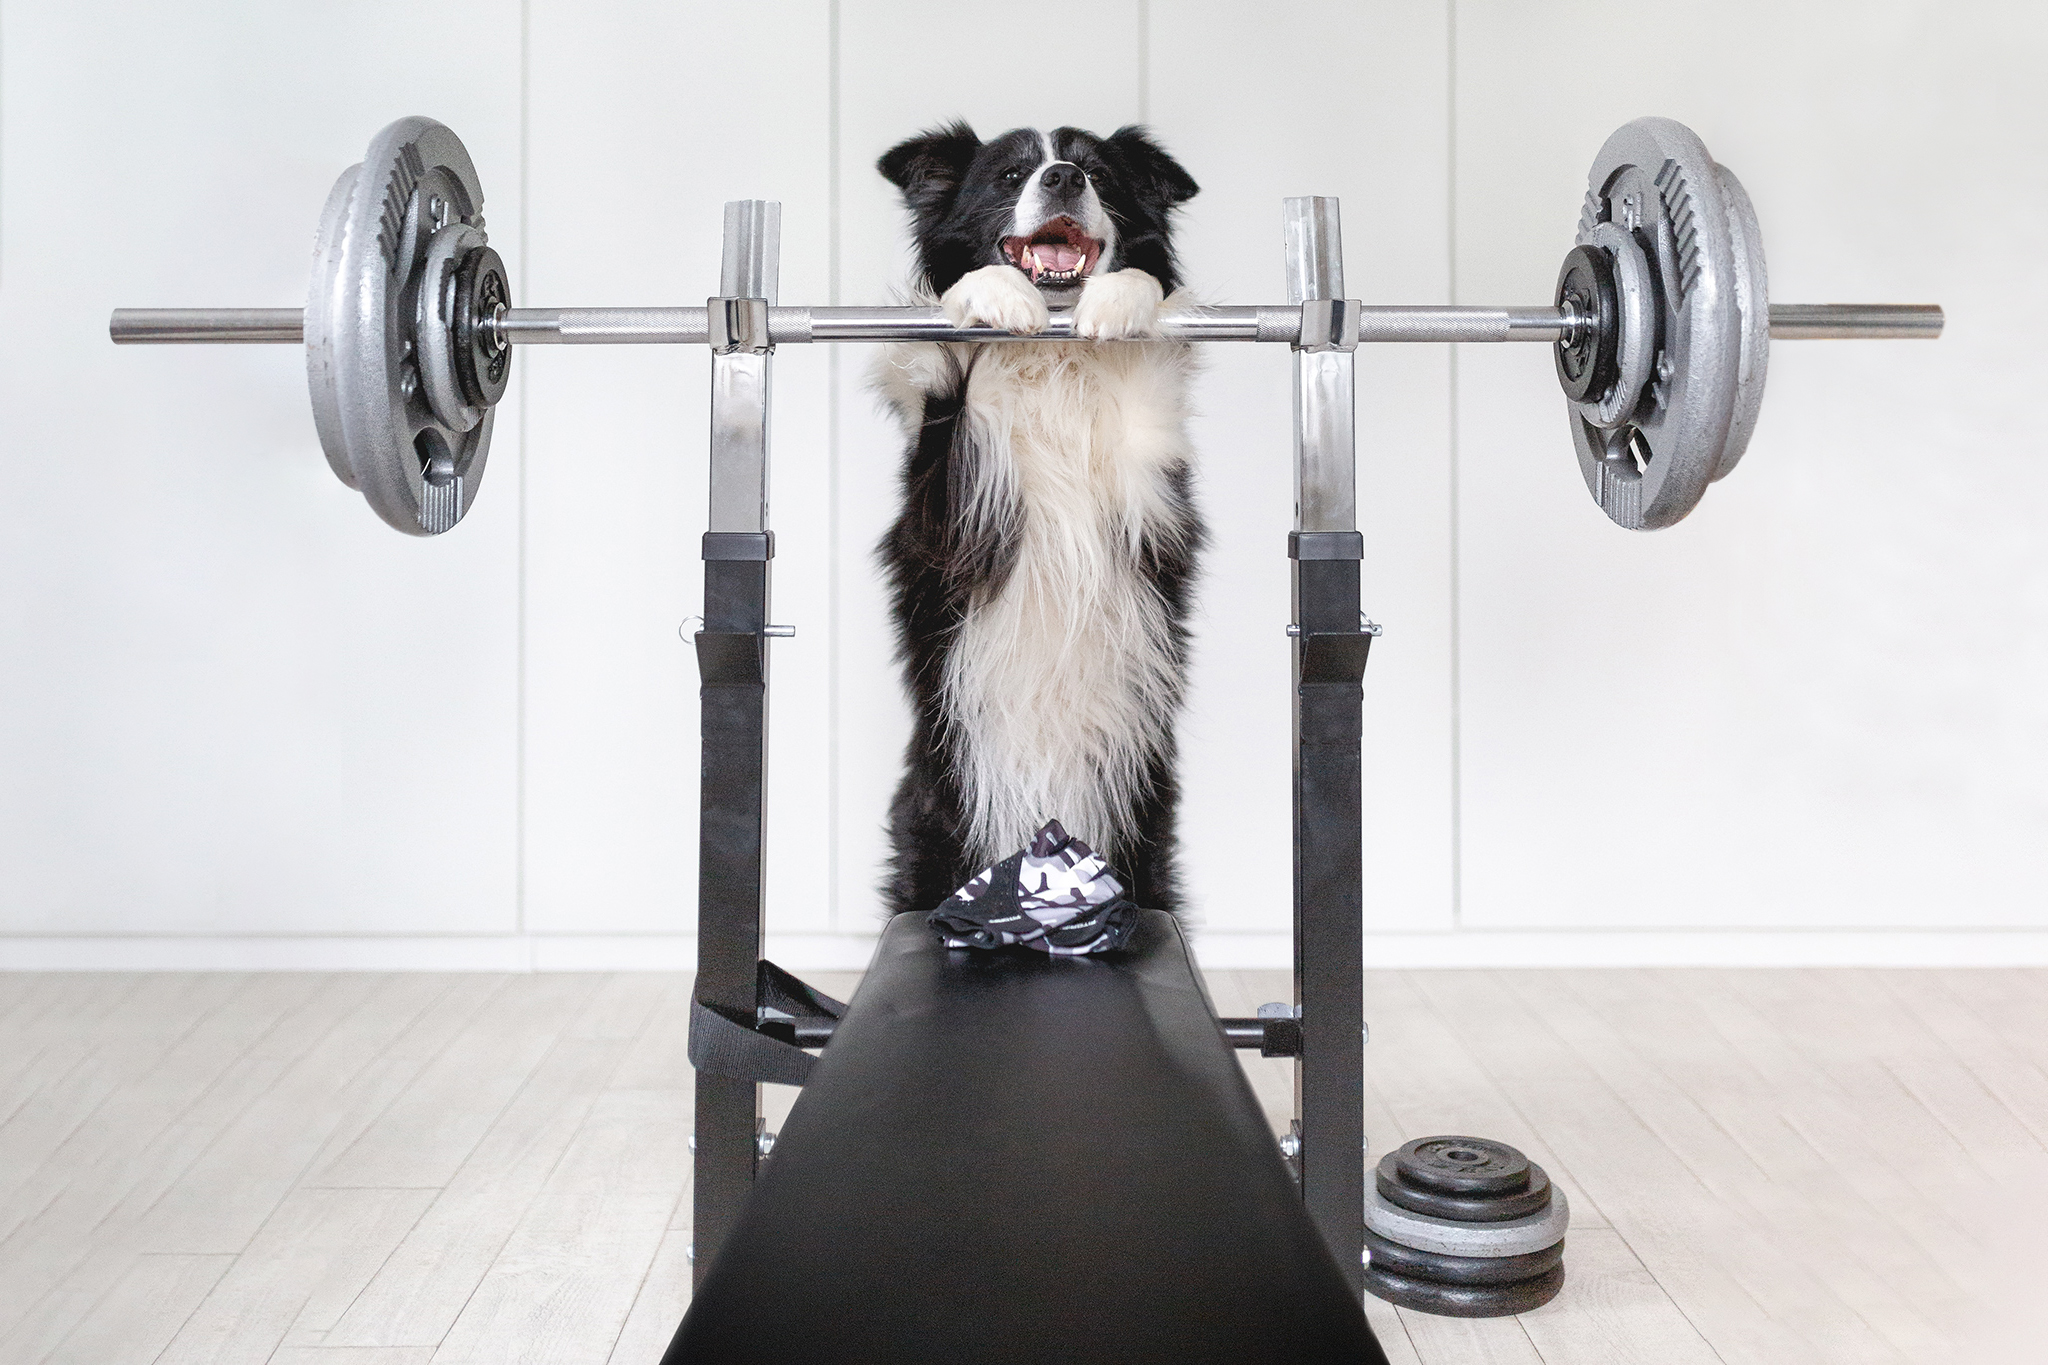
(995, 296)
(1124, 303)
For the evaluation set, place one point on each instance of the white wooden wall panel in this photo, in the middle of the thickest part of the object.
(644, 120)
(1820, 700)
(231, 700)
(233, 705)
(1299, 103)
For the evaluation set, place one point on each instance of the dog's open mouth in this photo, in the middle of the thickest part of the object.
(1058, 253)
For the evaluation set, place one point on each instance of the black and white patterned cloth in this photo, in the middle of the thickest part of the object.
(1057, 895)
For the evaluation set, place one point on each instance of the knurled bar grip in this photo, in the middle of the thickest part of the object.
(1270, 323)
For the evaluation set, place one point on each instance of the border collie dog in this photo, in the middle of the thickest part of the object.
(1042, 562)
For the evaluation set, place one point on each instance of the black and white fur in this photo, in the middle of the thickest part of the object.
(1044, 555)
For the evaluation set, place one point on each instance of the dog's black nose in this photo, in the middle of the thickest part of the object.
(1063, 177)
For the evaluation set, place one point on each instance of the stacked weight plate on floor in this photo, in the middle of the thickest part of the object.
(1464, 1227)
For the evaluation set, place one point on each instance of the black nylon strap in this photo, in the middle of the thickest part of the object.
(724, 1047)
(763, 1048)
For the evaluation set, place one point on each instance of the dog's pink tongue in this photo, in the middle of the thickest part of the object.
(1054, 256)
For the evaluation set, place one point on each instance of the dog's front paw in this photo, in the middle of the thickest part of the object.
(1121, 304)
(995, 296)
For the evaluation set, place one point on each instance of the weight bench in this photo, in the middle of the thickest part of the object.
(1010, 1156)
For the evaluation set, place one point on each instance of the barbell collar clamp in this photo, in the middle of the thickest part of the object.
(1375, 324)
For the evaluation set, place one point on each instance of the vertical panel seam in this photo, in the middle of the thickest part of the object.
(1144, 61)
(833, 420)
(1457, 699)
(3, 144)
(519, 663)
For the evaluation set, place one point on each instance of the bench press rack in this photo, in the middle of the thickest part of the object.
(1330, 643)
(1659, 328)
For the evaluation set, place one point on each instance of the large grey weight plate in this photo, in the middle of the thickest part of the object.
(1648, 454)
(418, 468)
(1753, 297)
(1466, 1300)
(1392, 1258)
(1515, 1237)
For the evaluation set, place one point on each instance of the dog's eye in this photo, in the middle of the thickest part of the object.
(1012, 176)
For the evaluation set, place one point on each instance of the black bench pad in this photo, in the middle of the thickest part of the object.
(1005, 1156)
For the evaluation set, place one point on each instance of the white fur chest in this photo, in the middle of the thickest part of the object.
(1060, 683)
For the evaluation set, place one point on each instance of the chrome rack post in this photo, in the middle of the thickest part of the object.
(732, 661)
(1330, 645)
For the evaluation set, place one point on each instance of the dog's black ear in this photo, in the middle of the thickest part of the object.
(930, 165)
(1150, 167)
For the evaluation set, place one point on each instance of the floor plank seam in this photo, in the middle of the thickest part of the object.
(514, 1225)
(1741, 1201)
(1963, 1064)
(227, 1127)
(184, 1322)
(384, 1054)
(1612, 1221)
(1621, 1235)
(1650, 1063)
(371, 1278)
(640, 1288)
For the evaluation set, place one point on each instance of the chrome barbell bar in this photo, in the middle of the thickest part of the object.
(793, 326)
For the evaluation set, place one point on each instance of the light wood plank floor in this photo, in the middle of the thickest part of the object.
(1767, 1166)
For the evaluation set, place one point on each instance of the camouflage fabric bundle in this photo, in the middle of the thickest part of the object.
(1057, 896)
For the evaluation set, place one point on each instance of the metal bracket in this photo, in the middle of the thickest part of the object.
(1329, 325)
(730, 658)
(738, 326)
(1366, 625)
(1274, 1035)
(1282, 1029)
(746, 546)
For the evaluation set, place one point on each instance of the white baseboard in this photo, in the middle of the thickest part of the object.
(850, 952)
(411, 953)
(1656, 948)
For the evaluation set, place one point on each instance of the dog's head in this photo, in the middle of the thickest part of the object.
(1060, 206)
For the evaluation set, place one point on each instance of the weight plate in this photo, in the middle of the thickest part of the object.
(1466, 1300)
(479, 294)
(1395, 1259)
(326, 256)
(1753, 297)
(1648, 463)
(1635, 342)
(377, 421)
(1464, 1208)
(434, 323)
(1585, 288)
(1466, 1166)
(1422, 1231)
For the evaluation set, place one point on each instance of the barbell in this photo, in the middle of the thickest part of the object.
(1660, 326)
